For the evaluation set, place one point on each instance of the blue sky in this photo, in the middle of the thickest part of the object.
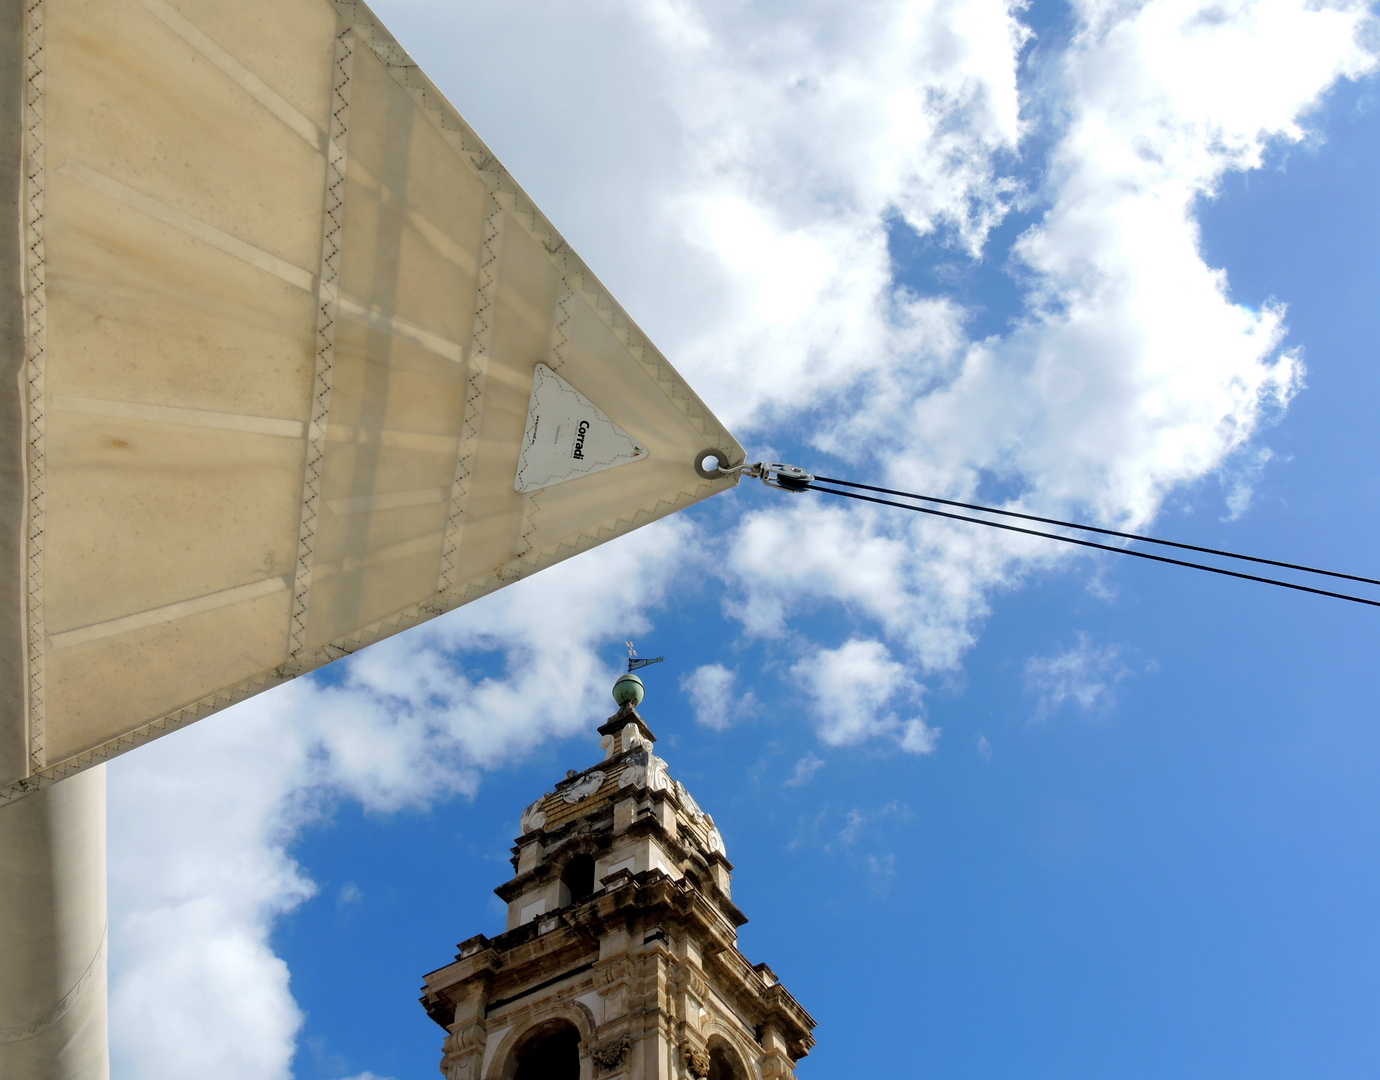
(996, 811)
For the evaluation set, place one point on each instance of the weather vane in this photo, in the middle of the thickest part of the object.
(635, 662)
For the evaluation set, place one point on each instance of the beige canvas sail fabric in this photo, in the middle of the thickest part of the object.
(283, 313)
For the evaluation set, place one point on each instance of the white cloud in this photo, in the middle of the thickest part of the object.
(710, 689)
(805, 770)
(881, 869)
(349, 894)
(852, 687)
(1086, 675)
(925, 584)
(984, 747)
(857, 823)
(1131, 371)
(1134, 371)
(198, 874)
(798, 138)
(1239, 478)
(849, 833)
(917, 737)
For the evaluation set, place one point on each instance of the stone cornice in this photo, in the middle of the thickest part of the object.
(518, 961)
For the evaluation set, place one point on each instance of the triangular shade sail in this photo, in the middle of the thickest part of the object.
(282, 315)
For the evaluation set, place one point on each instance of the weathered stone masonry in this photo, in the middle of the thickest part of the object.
(620, 958)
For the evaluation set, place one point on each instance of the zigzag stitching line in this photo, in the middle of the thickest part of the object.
(486, 292)
(560, 338)
(36, 343)
(327, 302)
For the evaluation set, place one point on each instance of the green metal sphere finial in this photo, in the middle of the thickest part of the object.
(628, 690)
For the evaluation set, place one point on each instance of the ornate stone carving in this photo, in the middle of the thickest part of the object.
(532, 817)
(585, 788)
(696, 1061)
(645, 770)
(464, 1053)
(610, 1053)
(716, 840)
(687, 800)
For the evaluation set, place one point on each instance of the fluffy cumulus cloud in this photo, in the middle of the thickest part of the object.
(198, 872)
(1129, 370)
(1133, 370)
(710, 689)
(800, 138)
(734, 173)
(852, 688)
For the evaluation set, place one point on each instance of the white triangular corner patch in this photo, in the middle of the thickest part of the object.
(568, 436)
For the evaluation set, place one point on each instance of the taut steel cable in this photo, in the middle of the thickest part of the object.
(793, 478)
(1098, 529)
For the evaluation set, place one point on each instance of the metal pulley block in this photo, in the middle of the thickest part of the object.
(786, 477)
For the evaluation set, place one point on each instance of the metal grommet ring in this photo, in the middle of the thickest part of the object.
(719, 458)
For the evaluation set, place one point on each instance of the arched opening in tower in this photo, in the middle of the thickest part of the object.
(723, 1065)
(551, 1054)
(579, 877)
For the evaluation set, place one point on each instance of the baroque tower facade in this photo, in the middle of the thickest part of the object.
(620, 958)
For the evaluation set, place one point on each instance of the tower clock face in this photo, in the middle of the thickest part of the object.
(585, 788)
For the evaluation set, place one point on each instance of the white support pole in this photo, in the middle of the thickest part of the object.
(53, 933)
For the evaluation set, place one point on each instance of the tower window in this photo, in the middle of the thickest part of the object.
(722, 1065)
(550, 1055)
(578, 877)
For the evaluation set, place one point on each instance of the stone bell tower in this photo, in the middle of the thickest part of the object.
(619, 959)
